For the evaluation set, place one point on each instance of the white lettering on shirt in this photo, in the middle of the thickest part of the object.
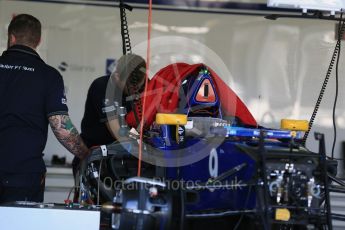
(17, 67)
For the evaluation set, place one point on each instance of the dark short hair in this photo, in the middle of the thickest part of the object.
(26, 28)
(131, 68)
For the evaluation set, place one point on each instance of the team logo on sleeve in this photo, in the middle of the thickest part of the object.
(64, 101)
(64, 98)
(107, 106)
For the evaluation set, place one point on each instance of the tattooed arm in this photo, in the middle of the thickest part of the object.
(68, 135)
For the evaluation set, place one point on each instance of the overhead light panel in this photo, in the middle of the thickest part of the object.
(332, 6)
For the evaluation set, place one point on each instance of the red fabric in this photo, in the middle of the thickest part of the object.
(163, 90)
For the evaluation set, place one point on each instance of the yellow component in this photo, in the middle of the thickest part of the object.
(293, 133)
(282, 214)
(294, 125)
(177, 134)
(171, 119)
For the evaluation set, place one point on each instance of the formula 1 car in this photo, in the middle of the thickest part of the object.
(204, 157)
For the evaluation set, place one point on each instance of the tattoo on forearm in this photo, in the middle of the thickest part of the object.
(68, 135)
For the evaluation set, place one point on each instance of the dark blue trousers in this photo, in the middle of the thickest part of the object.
(22, 187)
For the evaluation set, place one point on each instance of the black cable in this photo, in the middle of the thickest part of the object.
(323, 163)
(99, 180)
(337, 180)
(126, 41)
(264, 212)
(182, 215)
(127, 49)
(245, 205)
(336, 159)
(340, 33)
(136, 104)
(324, 85)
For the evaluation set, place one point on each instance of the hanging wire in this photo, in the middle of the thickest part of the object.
(99, 179)
(148, 54)
(340, 34)
(328, 74)
(126, 41)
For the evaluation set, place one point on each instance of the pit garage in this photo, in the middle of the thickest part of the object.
(236, 121)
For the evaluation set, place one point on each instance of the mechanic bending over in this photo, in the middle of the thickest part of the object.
(100, 125)
(31, 96)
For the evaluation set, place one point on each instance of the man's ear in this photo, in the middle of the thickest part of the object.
(39, 42)
(11, 40)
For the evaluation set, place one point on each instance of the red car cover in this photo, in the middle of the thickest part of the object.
(162, 95)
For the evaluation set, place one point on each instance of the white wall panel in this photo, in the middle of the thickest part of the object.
(276, 67)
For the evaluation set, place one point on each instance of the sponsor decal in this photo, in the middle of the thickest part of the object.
(110, 65)
(108, 109)
(72, 67)
(63, 66)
